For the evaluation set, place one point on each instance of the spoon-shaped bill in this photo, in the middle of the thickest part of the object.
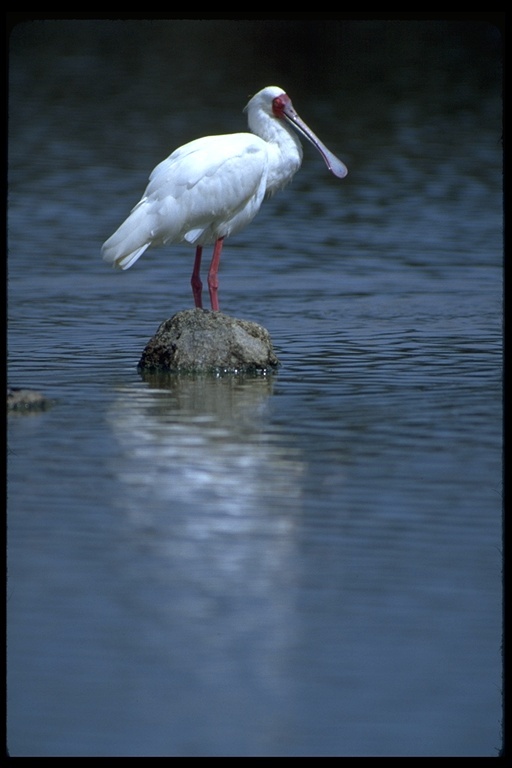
(333, 163)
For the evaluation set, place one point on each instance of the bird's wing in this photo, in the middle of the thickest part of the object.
(208, 181)
(206, 189)
(203, 159)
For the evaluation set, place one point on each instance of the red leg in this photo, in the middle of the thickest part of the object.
(195, 280)
(213, 279)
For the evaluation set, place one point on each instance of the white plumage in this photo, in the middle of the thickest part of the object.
(212, 187)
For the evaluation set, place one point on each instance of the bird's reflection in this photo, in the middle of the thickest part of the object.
(211, 498)
(201, 442)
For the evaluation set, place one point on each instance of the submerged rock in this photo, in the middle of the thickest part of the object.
(23, 400)
(197, 340)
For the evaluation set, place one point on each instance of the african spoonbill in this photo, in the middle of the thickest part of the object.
(212, 187)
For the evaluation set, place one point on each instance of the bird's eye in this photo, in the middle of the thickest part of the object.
(278, 105)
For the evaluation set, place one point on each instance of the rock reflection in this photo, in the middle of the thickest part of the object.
(200, 442)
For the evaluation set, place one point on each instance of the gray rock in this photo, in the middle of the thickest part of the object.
(197, 340)
(25, 400)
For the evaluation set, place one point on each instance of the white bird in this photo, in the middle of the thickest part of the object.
(212, 187)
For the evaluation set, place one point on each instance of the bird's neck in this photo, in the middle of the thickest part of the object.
(284, 154)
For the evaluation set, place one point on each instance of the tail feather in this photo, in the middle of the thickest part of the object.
(131, 239)
(125, 262)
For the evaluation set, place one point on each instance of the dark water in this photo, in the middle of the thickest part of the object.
(303, 564)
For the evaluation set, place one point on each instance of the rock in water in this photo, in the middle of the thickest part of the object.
(197, 340)
(25, 400)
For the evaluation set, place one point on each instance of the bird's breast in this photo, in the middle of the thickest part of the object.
(283, 161)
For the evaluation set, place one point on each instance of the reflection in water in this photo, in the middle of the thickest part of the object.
(198, 443)
(211, 501)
